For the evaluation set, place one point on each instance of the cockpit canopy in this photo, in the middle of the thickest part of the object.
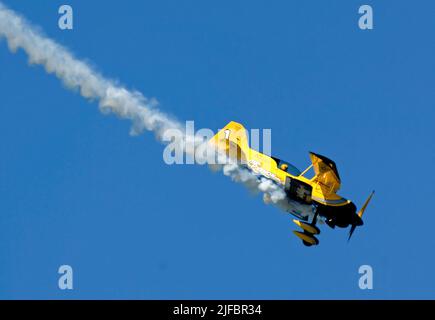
(290, 168)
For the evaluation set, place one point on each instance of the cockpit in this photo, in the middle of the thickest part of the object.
(287, 167)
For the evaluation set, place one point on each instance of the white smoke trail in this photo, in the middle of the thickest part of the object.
(111, 97)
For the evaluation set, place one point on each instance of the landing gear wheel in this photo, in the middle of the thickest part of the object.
(308, 239)
(309, 230)
(307, 244)
(317, 229)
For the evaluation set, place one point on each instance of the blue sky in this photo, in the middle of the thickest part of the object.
(76, 189)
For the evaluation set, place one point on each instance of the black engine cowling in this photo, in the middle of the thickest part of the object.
(340, 216)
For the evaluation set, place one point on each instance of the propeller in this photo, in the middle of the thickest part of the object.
(360, 214)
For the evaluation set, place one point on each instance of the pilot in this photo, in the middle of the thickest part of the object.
(284, 167)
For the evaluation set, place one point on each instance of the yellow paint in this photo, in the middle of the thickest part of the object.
(233, 140)
(363, 208)
(306, 237)
(305, 226)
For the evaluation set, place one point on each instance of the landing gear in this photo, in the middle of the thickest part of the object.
(307, 238)
(309, 230)
(307, 244)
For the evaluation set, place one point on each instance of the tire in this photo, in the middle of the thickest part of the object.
(307, 244)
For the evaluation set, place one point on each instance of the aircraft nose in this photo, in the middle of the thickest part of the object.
(357, 220)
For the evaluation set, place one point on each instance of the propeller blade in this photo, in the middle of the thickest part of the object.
(363, 208)
(360, 214)
(351, 232)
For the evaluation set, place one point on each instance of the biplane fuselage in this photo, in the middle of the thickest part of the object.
(314, 197)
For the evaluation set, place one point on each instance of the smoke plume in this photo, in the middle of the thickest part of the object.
(113, 98)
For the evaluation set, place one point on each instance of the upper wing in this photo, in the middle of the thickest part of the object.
(326, 172)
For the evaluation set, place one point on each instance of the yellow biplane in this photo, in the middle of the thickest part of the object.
(314, 197)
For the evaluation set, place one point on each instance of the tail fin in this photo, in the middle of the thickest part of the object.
(233, 140)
